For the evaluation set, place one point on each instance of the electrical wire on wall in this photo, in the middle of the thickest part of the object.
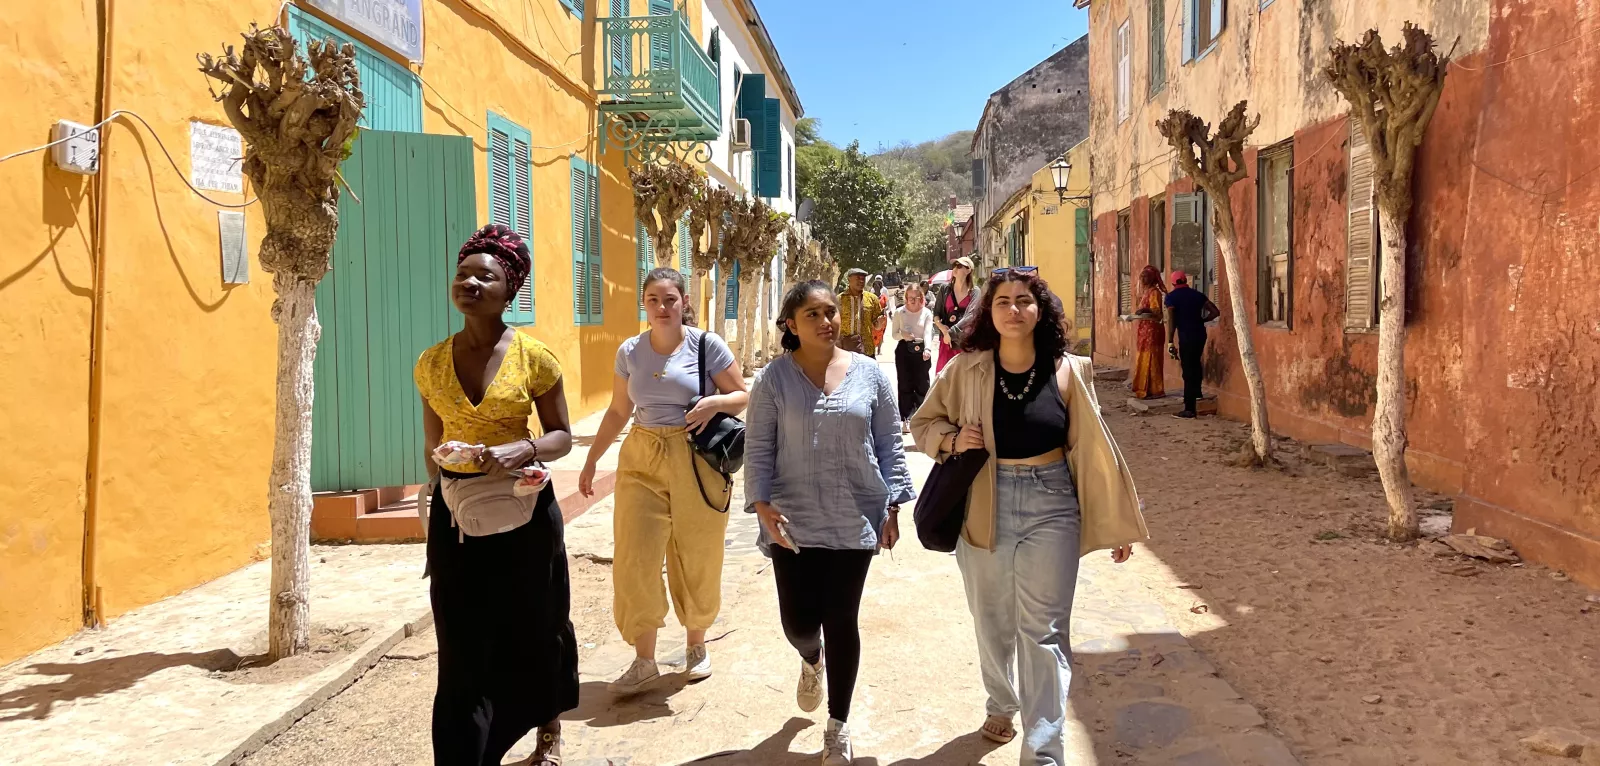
(153, 134)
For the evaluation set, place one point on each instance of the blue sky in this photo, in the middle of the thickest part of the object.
(886, 71)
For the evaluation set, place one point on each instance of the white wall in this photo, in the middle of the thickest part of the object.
(739, 51)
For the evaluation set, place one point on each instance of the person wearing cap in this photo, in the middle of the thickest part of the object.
(860, 315)
(1188, 311)
(950, 306)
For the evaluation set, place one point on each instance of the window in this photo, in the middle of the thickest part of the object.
(1203, 22)
(1361, 246)
(576, 6)
(511, 197)
(588, 274)
(1192, 246)
(1124, 266)
(660, 44)
(393, 92)
(1274, 269)
(1158, 46)
(621, 49)
(645, 251)
(1124, 71)
(1158, 234)
(685, 246)
(731, 293)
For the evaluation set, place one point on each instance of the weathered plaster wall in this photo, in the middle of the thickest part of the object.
(1027, 124)
(1500, 359)
(1051, 229)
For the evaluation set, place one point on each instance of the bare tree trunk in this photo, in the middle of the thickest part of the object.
(1389, 416)
(289, 494)
(1228, 249)
(749, 293)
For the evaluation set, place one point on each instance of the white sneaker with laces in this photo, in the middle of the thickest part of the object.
(640, 674)
(809, 693)
(836, 744)
(697, 663)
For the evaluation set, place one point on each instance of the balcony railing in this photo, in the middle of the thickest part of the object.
(655, 68)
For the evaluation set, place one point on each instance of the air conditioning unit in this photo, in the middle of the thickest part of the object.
(741, 135)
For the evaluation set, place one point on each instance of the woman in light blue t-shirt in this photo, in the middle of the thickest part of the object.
(670, 505)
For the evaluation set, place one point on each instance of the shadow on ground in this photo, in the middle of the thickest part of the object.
(95, 678)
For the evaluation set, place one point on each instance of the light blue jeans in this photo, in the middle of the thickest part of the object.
(1021, 601)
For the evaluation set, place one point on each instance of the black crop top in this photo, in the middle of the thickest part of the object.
(1029, 420)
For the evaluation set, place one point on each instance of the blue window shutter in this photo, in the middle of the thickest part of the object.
(597, 274)
(511, 198)
(731, 310)
(1186, 28)
(769, 153)
(576, 6)
(581, 234)
(621, 50)
(645, 250)
(685, 245)
(660, 44)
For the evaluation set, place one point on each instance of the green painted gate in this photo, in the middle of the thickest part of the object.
(387, 300)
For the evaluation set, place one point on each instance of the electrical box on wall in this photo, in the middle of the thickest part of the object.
(79, 150)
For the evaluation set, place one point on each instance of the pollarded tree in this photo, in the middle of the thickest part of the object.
(662, 191)
(751, 241)
(1216, 163)
(297, 115)
(1393, 94)
(707, 211)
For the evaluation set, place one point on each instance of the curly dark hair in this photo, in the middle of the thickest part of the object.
(1049, 336)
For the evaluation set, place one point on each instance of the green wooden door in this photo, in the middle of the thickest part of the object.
(385, 302)
(1083, 288)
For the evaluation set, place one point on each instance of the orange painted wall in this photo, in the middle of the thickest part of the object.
(188, 363)
(45, 279)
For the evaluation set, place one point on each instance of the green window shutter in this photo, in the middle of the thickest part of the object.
(576, 6)
(582, 234)
(731, 309)
(644, 249)
(596, 270)
(752, 106)
(621, 50)
(685, 245)
(661, 42)
(511, 198)
(1158, 45)
(769, 154)
(1187, 243)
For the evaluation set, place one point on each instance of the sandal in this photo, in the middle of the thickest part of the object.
(998, 728)
(548, 753)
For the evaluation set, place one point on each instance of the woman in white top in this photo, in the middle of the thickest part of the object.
(913, 354)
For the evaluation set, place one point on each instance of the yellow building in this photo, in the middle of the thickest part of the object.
(1042, 226)
(139, 383)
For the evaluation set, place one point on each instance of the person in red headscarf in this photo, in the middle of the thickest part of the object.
(1147, 365)
(508, 658)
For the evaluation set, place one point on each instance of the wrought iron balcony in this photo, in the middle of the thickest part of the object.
(659, 80)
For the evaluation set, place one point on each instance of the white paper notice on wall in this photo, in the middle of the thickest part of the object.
(235, 252)
(216, 158)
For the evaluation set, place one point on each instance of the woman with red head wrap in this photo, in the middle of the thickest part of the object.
(508, 659)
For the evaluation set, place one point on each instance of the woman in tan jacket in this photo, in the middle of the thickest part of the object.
(1056, 488)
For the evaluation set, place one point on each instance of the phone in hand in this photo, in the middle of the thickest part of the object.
(783, 532)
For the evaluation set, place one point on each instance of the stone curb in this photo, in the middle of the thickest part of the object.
(368, 656)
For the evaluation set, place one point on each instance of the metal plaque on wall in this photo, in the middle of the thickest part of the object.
(235, 251)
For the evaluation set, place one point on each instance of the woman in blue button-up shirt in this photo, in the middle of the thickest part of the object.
(826, 472)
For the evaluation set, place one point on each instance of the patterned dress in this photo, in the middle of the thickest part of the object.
(1148, 372)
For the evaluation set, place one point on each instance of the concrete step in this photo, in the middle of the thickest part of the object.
(1171, 405)
(358, 517)
(1110, 373)
(1342, 458)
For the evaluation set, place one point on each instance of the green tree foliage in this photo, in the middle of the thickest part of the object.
(812, 154)
(859, 213)
(926, 176)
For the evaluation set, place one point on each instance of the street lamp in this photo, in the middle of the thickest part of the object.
(1060, 170)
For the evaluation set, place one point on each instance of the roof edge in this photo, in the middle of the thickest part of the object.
(769, 49)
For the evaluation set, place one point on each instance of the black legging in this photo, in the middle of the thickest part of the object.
(819, 596)
(911, 370)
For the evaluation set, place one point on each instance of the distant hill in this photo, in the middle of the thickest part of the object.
(927, 175)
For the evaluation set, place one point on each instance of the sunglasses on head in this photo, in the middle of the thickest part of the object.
(1000, 272)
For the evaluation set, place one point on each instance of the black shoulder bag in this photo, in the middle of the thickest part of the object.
(721, 443)
(942, 503)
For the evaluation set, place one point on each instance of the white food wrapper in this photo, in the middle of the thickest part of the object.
(533, 481)
(457, 453)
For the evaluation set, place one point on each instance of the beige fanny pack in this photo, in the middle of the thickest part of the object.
(487, 505)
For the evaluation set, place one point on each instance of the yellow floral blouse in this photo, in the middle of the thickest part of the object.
(528, 371)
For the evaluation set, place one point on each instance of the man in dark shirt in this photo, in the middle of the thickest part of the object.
(1188, 311)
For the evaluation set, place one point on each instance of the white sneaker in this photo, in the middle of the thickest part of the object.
(697, 663)
(836, 744)
(809, 693)
(640, 674)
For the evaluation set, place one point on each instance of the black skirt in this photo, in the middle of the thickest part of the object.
(508, 657)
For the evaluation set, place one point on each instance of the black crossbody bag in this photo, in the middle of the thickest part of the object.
(721, 443)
